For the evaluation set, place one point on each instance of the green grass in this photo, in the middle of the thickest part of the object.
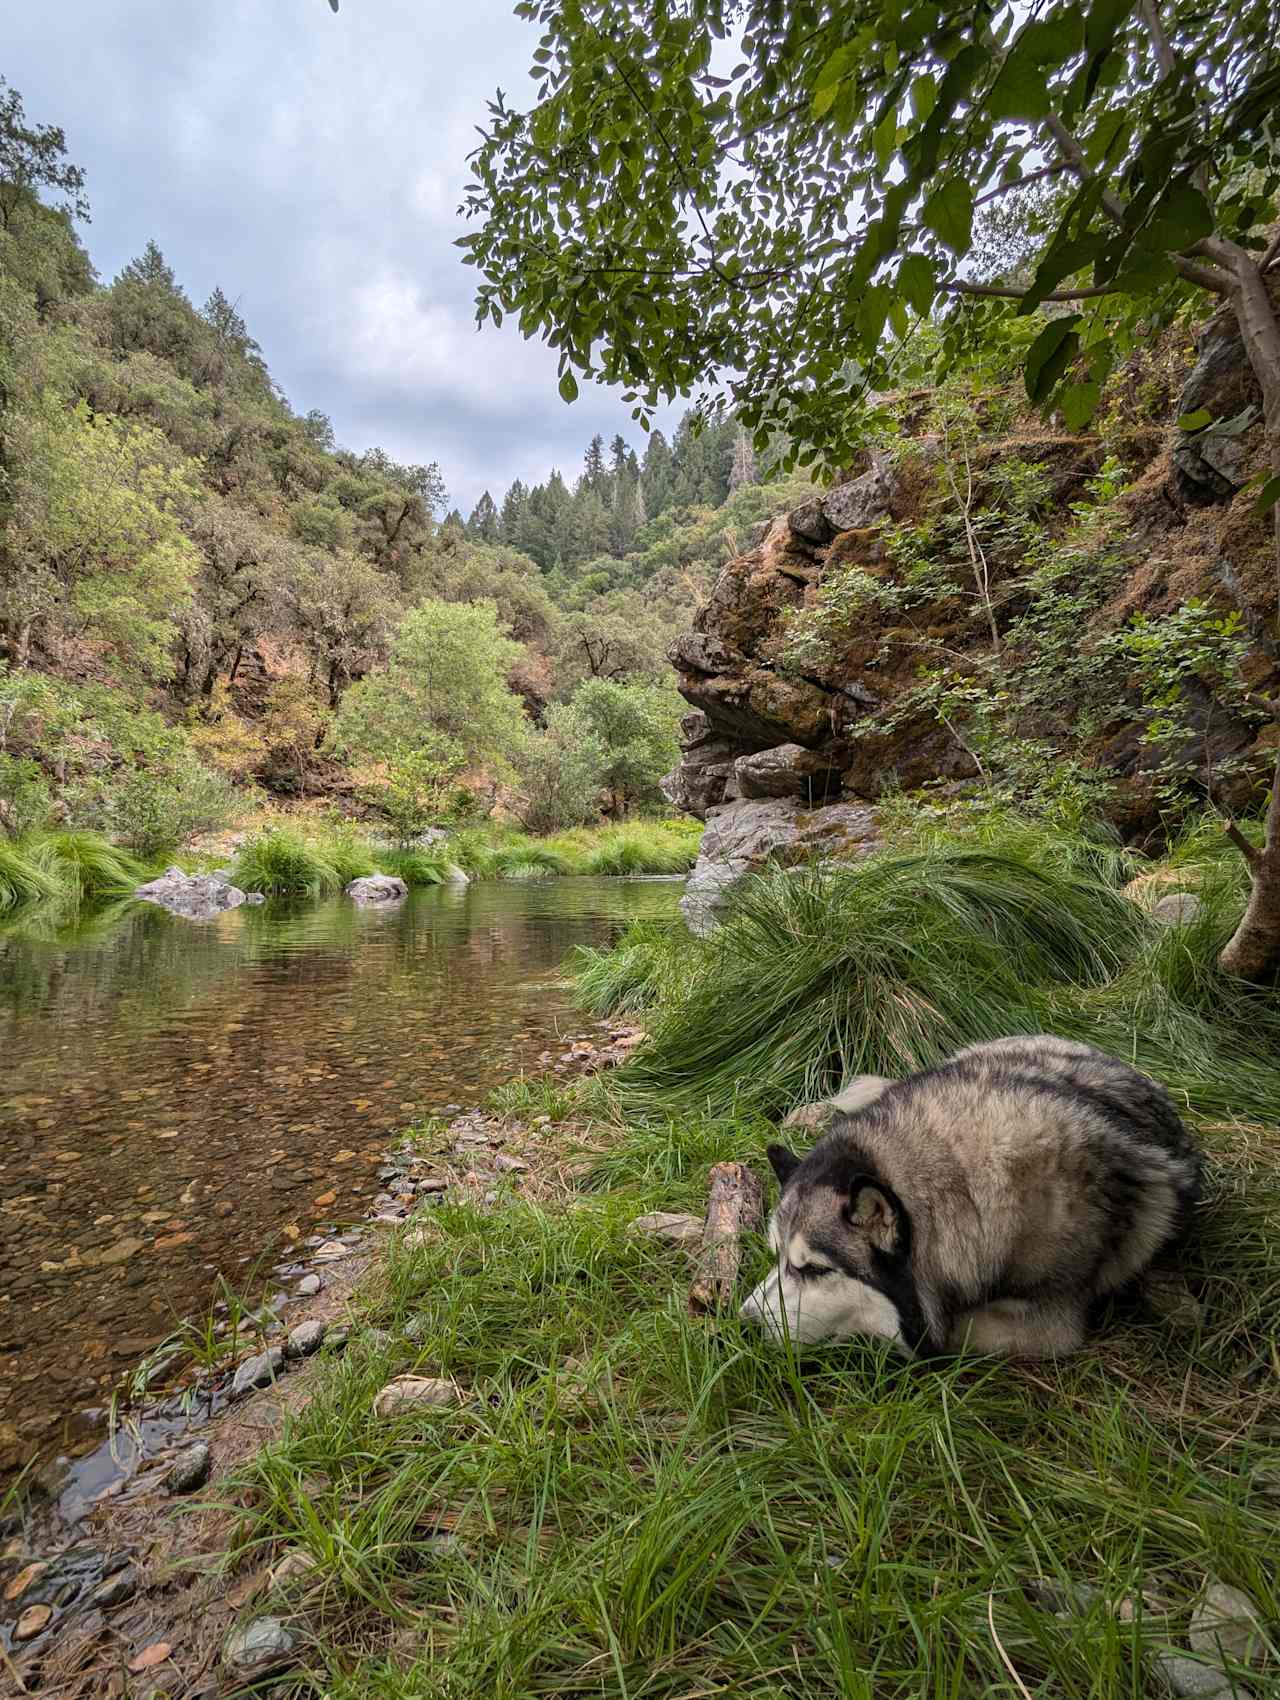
(280, 863)
(637, 847)
(416, 867)
(91, 866)
(27, 879)
(640, 1506)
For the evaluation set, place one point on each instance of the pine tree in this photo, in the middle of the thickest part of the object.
(656, 475)
(514, 504)
(485, 524)
(595, 474)
(151, 267)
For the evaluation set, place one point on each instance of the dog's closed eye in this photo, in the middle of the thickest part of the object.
(809, 1271)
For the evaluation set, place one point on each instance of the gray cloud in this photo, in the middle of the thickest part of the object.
(312, 165)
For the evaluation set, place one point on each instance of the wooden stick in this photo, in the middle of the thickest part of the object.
(735, 1207)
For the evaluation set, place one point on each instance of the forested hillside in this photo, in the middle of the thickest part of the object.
(203, 596)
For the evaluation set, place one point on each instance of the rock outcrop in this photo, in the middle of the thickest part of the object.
(782, 730)
(196, 897)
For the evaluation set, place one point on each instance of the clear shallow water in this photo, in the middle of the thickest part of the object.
(174, 1094)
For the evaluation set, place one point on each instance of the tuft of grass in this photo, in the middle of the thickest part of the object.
(416, 867)
(633, 973)
(645, 848)
(88, 865)
(26, 878)
(280, 863)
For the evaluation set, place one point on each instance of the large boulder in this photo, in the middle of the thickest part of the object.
(377, 888)
(196, 897)
(705, 768)
(866, 501)
(744, 836)
(787, 770)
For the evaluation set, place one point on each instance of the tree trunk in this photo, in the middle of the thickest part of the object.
(1254, 950)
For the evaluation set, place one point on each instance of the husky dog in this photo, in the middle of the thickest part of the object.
(983, 1205)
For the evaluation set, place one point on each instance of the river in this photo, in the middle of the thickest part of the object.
(179, 1100)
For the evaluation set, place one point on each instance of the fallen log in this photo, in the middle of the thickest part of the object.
(735, 1207)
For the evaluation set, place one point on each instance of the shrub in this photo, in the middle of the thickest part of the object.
(562, 771)
(153, 809)
(25, 800)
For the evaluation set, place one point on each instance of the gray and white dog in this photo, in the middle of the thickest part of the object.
(984, 1204)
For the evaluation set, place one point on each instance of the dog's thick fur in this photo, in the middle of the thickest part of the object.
(984, 1204)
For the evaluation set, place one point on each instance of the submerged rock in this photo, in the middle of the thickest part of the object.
(196, 897)
(377, 888)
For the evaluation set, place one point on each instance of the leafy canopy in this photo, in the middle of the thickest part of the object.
(782, 226)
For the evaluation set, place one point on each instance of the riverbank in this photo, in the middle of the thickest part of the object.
(594, 1493)
(58, 877)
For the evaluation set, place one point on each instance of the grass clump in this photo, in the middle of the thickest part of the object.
(418, 866)
(635, 972)
(645, 848)
(90, 866)
(278, 863)
(27, 878)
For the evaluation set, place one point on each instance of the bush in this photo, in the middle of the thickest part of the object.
(151, 810)
(562, 771)
(25, 800)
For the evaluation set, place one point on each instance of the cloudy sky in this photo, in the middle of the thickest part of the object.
(312, 166)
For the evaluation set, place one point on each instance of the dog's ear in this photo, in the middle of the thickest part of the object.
(784, 1163)
(874, 1209)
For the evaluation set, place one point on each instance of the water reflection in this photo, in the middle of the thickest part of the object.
(173, 1095)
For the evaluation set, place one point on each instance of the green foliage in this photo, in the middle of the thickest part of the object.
(635, 727)
(418, 789)
(151, 810)
(444, 688)
(86, 865)
(417, 866)
(279, 863)
(631, 245)
(642, 848)
(25, 798)
(562, 770)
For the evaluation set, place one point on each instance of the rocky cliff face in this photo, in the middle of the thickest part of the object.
(771, 755)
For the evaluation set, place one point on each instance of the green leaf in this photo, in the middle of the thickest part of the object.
(1180, 217)
(1269, 496)
(949, 214)
(569, 387)
(924, 95)
(918, 282)
(824, 100)
(1194, 421)
(1079, 403)
(1050, 355)
(1020, 90)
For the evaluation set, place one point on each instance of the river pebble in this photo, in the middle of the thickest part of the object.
(1191, 1680)
(408, 1392)
(257, 1371)
(116, 1589)
(32, 1621)
(309, 1286)
(264, 1641)
(190, 1469)
(306, 1338)
(1226, 1623)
